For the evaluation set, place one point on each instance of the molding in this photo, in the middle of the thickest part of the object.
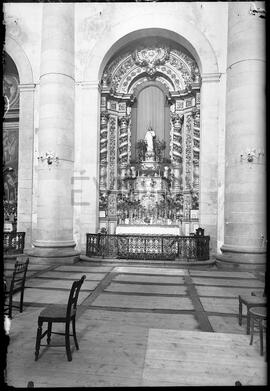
(242, 249)
(27, 87)
(89, 84)
(54, 243)
(210, 77)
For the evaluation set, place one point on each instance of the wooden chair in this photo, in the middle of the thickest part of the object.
(258, 318)
(60, 313)
(250, 301)
(14, 285)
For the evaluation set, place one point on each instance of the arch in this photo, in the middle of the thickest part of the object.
(149, 83)
(126, 32)
(16, 52)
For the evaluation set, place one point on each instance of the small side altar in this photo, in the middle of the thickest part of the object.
(147, 203)
(147, 229)
(146, 196)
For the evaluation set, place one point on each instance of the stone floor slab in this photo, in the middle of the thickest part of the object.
(45, 296)
(8, 273)
(225, 274)
(58, 284)
(228, 282)
(144, 288)
(121, 320)
(73, 276)
(150, 279)
(228, 324)
(145, 302)
(226, 306)
(151, 270)
(83, 268)
(222, 291)
(10, 266)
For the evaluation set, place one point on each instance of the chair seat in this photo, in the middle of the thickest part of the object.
(258, 293)
(252, 300)
(55, 312)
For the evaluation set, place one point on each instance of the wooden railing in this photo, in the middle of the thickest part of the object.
(148, 246)
(13, 243)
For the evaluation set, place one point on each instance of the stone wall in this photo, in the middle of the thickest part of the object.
(101, 29)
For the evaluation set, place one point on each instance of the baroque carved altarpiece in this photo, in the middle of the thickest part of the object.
(138, 187)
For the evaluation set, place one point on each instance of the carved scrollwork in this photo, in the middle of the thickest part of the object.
(104, 117)
(123, 139)
(159, 60)
(112, 152)
(149, 58)
(176, 143)
(188, 150)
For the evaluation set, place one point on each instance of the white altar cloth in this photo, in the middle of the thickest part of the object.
(125, 229)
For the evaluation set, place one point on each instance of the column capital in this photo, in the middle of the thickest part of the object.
(210, 77)
(27, 87)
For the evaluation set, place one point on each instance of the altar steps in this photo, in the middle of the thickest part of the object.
(177, 263)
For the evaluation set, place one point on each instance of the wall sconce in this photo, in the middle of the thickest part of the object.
(50, 157)
(251, 154)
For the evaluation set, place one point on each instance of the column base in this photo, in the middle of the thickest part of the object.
(53, 256)
(234, 258)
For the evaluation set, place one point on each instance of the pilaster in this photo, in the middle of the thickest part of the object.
(25, 166)
(210, 92)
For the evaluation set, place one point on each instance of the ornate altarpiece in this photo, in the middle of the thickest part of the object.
(149, 189)
(10, 140)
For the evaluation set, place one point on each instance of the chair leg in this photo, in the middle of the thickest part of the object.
(21, 300)
(69, 356)
(10, 301)
(240, 313)
(38, 339)
(251, 330)
(248, 321)
(261, 336)
(74, 334)
(49, 332)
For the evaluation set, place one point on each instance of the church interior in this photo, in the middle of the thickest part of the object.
(134, 154)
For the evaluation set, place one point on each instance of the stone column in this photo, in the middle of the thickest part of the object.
(25, 167)
(245, 209)
(56, 135)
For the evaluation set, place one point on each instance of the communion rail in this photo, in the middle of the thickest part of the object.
(13, 242)
(148, 246)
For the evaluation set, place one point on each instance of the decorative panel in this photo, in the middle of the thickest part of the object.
(112, 152)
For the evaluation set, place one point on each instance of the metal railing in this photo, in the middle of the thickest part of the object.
(13, 242)
(148, 246)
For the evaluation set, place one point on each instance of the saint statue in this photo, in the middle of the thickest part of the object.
(149, 139)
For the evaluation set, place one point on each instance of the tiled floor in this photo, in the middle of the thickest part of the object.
(125, 316)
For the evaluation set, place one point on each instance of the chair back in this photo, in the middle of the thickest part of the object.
(19, 276)
(73, 296)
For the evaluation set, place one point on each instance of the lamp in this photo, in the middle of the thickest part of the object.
(50, 157)
(251, 154)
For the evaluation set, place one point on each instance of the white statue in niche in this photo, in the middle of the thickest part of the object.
(149, 139)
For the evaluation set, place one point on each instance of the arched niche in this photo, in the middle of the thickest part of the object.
(150, 84)
(156, 115)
